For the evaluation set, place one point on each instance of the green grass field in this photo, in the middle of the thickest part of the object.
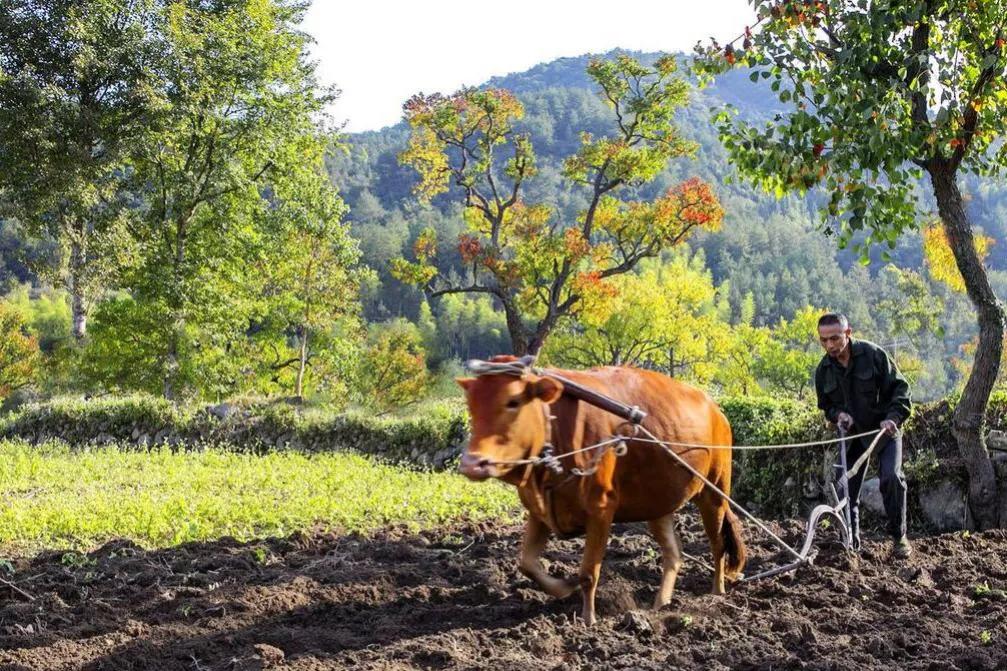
(55, 497)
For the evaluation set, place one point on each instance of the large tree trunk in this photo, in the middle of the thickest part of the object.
(75, 283)
(970, 416)
(302, 364)
(176, 311)
(519, 338)
(538, 340)
(544, 329)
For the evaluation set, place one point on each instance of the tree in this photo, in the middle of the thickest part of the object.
(393, 371)
(76, 94)
(48, 321)
(539, 266)
(963, 359)
(664, 316)
(785, 361)
(124, 349)
(240, 110)
(881, 95)
(22, 259)
(46, 315)
(18, 352)
(312, 282)
(739, 375)
(940, 258)
(914, 310)
(941, 265)
(466, 326)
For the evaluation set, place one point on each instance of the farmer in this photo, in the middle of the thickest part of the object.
(860, 389)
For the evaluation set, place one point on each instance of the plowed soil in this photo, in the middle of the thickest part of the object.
(453, 599)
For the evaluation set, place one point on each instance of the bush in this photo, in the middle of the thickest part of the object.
(431, 437)
(46, 313)
(79, 421)
(393, 371)
(782, 482)
(19, 353)
(930, 446)
(125, 348)
(773, 482)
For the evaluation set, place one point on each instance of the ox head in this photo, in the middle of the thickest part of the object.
(509, 420)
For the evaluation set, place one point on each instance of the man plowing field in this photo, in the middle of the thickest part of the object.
(860, 389)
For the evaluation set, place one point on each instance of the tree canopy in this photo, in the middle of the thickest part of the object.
(541, 265)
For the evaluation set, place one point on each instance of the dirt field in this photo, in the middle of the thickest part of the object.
(453, 600)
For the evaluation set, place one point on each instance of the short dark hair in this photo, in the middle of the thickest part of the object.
(830, 318)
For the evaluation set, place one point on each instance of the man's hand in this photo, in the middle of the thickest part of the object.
(890, 427)
(844, 421)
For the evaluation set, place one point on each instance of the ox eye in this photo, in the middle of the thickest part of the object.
(514, 404)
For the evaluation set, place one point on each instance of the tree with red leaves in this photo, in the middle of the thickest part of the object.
(539, 266)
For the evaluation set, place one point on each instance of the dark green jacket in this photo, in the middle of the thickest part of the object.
(870, 388)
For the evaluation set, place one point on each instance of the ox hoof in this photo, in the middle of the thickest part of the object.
(561, 589)
(554, 587)
(660, 603)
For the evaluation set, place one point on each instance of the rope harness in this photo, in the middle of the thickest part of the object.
(634, 416)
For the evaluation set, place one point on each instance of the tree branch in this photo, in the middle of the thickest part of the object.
(970, 118)
(473, 288)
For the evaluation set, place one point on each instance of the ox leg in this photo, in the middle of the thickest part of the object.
(664, 532)
(713, 508)
(536, 535)
(598, 527)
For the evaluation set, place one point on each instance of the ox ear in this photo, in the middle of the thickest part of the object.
(465, 382)
(547, 389)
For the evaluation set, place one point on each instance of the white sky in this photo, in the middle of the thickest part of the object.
(380, 52)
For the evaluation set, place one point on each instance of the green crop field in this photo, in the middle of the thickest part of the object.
(57, 497)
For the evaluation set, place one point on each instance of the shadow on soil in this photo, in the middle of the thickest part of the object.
(452, 599)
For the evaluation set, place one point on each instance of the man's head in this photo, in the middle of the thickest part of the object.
(834, 333)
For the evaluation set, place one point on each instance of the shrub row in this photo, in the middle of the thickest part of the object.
(770, 482)
(430, 439)
(777, 482)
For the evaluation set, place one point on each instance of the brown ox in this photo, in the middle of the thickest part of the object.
(509, 417)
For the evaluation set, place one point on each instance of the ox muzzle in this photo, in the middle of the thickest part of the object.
(476, 466)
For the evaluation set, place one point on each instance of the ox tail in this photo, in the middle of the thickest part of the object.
(734, 545)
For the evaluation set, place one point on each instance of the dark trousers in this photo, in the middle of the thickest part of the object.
(893, 482)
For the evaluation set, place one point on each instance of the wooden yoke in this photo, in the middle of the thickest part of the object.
(630, 413)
